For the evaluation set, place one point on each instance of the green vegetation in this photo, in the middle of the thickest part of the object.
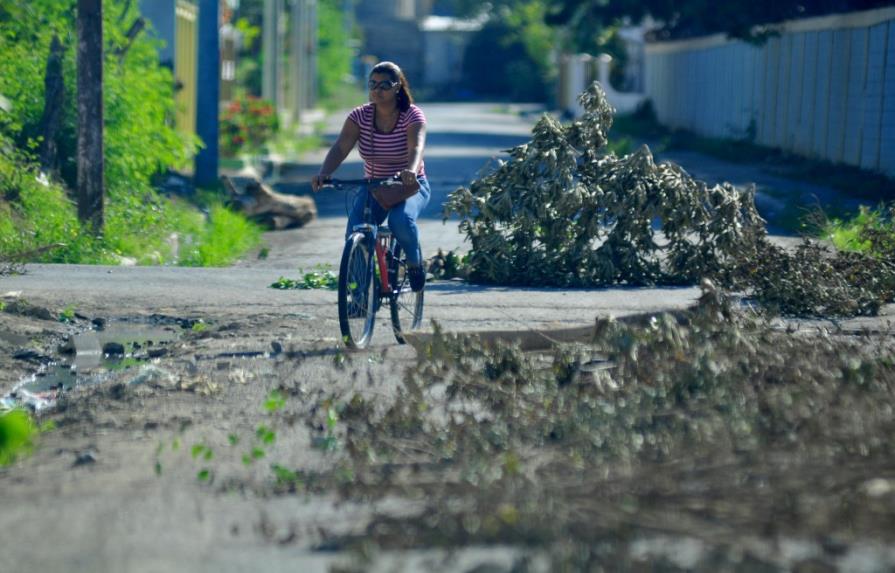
(446, 266)
(67, 314)
(322, 277)
(510, 56)
(334, 51)
(17, 434)
(37, 216)
(246, 124)
(738, 19)
(871, 231)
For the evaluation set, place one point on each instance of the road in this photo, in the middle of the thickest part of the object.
(462, 140)
(114, 487)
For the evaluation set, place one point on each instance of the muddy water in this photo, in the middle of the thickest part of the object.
(92, 357)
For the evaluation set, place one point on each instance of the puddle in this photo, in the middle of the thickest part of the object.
(92, 357)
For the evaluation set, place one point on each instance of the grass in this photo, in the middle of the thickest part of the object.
(38, 223)
(221, 239)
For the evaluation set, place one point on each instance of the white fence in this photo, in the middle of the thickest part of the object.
(823, 88)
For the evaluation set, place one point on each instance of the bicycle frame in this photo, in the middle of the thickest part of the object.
(381, 245)
(388, 260)
(382, 251)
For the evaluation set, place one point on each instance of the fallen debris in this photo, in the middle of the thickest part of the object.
(276, 210)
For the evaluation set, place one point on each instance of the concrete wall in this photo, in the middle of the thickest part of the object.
(824, 88)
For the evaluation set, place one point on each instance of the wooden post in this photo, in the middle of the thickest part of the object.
(90, 114)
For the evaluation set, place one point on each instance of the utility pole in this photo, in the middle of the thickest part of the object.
(208, 93)
(90, 114)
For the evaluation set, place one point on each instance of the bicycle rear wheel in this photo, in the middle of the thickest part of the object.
(406, 306)
(357, 292)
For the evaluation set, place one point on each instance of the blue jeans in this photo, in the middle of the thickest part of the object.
(401, 219)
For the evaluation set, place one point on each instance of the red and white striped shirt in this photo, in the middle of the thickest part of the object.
(385, 154)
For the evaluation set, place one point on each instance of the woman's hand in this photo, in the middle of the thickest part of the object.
(317, 182)
(408, 177)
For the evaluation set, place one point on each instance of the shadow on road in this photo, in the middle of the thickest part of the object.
(456, 287)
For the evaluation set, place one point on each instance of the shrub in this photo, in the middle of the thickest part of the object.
(247, 123)
(140, 141)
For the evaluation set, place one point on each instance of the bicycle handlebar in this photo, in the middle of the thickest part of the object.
(334, 182)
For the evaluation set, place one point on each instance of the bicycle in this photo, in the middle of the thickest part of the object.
(373, 270)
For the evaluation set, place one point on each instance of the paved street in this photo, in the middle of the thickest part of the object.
(136, 504)
(462, 140)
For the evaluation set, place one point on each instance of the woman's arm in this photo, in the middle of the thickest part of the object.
(338, 152)
(416, 141)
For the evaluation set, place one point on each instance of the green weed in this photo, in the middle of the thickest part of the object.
(321, 277)
(871, 231)
(276, 400)
(286, 479)
(67, 314)
(17, 434)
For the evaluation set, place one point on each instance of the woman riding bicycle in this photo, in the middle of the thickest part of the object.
(391, 133)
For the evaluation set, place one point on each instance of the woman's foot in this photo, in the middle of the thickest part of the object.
(417, 277)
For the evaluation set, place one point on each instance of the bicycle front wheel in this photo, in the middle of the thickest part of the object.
(357, 292)
(406, 306)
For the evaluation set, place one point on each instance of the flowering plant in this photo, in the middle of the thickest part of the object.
(246, 123)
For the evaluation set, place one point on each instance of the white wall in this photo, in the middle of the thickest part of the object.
(824, 88)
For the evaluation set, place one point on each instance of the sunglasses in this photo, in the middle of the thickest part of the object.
(382, 86)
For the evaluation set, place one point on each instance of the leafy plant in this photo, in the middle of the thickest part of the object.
(276, 400)
(448, 265)
(247, 122)
(17, 434)
(322, 277)
(871, 231)
(67, 314)
(37, 219)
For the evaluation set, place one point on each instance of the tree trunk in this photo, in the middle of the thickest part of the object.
(54, 95)
(90, 114)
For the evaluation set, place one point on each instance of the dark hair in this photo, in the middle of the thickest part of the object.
(404, 97)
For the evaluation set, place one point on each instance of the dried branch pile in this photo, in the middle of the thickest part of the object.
(563, 212)
(677, 426)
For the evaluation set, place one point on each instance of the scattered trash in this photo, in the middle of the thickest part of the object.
(153, 375)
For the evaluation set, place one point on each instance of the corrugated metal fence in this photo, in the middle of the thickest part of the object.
(824, 88)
